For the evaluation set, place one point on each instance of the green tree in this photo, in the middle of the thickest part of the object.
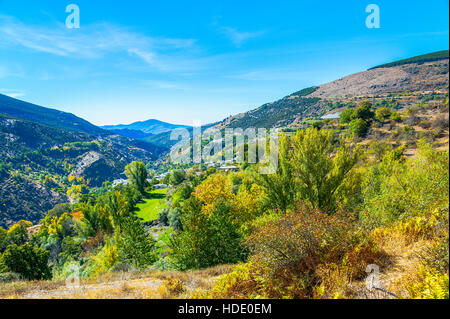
(320, 167)
(382, 113)
(134, 244)
(137, 174)
(96, 218)
(207, 239)
(2, 237)
(163, 216)
(117, 206)
(17, 234)
(280, 187)
(346, 116)
(177, 177)
(28, 261)
(359, 127)
(364, 112)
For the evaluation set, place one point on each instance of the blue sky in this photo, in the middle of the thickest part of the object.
(184, 61)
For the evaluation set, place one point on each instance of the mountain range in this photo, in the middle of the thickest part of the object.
(41, 147)
(149, 126)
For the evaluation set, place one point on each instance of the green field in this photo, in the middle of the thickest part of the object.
(149, 209)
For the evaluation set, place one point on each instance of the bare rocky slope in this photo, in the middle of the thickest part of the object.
(377, 85)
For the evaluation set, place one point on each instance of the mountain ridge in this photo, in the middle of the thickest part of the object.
(49, 116)
(152, 126)
(39, 152)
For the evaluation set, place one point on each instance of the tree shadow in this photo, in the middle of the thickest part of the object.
(154, 196)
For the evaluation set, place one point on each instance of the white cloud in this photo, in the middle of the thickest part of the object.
(12, 93)
(88, 42)
(238, 38)
(148, 57)
(274, 74)
(166, 85)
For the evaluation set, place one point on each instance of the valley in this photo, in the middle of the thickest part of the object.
(362, 179)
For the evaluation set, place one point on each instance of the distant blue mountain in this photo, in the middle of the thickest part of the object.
(131, 133)
(150, 126)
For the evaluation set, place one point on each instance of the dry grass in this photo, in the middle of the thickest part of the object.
(405, 252)
(400, 267)
(138, 285)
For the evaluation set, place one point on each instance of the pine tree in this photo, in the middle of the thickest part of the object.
(134, 244)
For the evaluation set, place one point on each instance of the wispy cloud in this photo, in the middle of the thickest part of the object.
(238, 37)
(88, 42)
(12, 93)
(147, 57)
(11, 71)
(277, 74)
(166, 85)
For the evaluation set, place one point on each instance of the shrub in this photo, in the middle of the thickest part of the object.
(397, 189)
(411, 117)
(430, 285)
(105, 260)
(172, 287)
(363, 112)
(382, 113)
(289, 250)
(359, 127)
(9, 277)
(346, 116)
(395, 116)
(425, 124)
(243, 282)
(440, 122)
(163, 216)
(28, 261)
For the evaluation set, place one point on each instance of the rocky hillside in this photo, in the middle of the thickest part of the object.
(380, 85)
(36, 161)
(409, 77)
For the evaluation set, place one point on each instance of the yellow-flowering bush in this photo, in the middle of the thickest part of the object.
(173, 287)
(432, 285)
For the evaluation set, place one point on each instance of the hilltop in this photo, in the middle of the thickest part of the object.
(429, 57)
